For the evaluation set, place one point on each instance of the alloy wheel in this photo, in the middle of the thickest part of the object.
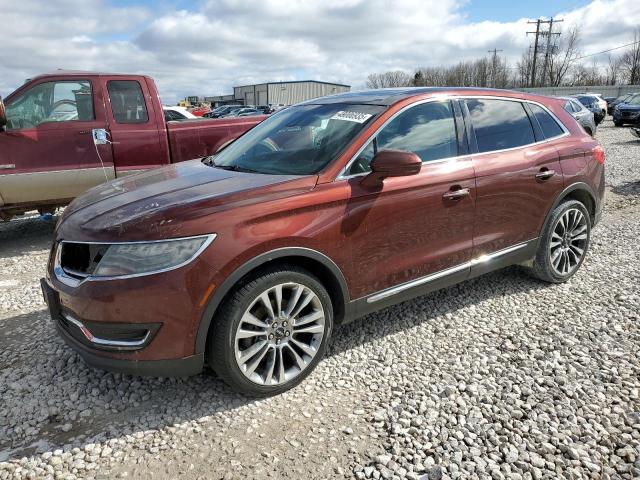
(569, 240)
(280, 334)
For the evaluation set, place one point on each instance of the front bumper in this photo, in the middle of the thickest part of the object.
(123, 353)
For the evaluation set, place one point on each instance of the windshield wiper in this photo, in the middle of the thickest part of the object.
(234, 168)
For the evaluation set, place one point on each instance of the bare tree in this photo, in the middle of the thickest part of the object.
(630, 61)
(523, 70)
(396, 78)
(563, 58)
(612, 70)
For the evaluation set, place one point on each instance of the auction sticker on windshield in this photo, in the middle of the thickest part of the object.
(356, 117)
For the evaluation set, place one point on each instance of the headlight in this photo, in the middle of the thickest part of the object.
(140, 258)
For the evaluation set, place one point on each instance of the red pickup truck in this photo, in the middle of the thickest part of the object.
(65, 132)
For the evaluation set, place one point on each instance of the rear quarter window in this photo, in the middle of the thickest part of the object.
(548, 124)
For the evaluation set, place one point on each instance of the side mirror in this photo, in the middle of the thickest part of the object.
(392, 163)
(3, 115)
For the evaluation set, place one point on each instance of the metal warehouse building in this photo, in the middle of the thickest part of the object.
(286, 93)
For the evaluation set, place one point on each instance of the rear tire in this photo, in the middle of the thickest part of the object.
(271, 331)
(563, 244)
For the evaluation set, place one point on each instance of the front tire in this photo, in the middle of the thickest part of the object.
(563, 244)
(271, 331)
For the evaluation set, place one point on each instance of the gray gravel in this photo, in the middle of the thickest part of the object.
(500, 377)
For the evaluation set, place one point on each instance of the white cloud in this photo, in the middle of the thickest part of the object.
(231, 42)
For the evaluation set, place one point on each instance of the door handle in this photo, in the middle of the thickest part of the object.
(456, 194)
(8, 166)
(545, 174)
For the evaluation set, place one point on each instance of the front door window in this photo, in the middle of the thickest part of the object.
(51, 102)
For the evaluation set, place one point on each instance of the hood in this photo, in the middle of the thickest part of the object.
(164, 202)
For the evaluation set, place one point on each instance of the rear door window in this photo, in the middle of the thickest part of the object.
(549, 126)
(499, 124)
(127, 101)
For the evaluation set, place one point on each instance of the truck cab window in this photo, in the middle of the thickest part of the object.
(51, 102)
(127, 101)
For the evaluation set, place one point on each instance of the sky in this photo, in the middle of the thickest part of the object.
(206, 47)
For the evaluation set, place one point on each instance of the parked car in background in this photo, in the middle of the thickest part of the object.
(221, 111)
(591, 102)
(244, 112)
(199, 111)
(628, 111)
(602, 103)
(172, 114)
(323, 213)
(616, 101)
(583, 115)
(66, 132)
(265, 109)
(276, 107)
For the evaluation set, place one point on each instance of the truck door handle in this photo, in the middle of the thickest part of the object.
(7, 166)
(545, 174)
(456, 193)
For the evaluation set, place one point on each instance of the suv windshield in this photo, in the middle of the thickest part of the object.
(633, 100)
(300, 140)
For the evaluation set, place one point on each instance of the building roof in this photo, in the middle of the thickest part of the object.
(293, 81)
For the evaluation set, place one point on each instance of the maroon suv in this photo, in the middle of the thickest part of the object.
(322, 213)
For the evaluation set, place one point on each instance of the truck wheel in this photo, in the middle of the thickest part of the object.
(563, 244)
(271, 331)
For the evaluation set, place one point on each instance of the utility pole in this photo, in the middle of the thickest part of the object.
(494, 66)
(532, 82)
(548, 49)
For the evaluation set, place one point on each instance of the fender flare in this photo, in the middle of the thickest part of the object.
(255, 262)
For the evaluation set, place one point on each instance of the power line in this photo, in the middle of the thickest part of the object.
(609, 50)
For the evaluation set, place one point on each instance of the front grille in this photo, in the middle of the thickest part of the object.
(80, 260)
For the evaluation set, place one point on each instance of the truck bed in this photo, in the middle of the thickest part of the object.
(189, 139)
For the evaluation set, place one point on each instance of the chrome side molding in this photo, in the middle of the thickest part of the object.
(443, 273)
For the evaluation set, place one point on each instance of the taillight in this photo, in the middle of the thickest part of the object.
(598, 154)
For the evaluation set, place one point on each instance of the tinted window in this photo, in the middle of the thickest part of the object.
(499, 124)
(127, 101)
(51, 102)
(550, 127)
(428, 130)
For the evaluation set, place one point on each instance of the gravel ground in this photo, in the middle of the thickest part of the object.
(499, 377)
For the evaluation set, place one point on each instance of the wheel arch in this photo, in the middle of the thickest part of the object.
(315, 262)
(579, 191)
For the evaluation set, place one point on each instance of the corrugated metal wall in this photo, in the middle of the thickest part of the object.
(292, 93)
(605, 90)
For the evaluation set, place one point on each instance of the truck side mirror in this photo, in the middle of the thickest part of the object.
(3, 115)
